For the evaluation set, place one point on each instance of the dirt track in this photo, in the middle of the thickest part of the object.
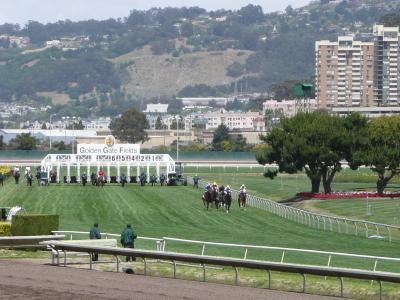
(27, 280)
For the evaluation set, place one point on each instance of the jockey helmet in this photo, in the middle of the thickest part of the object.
(214, 183)
(228, 187)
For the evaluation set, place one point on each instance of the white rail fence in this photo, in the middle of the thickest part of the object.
(71, 235)
(203, 260)
(321, 221)
(266, 253)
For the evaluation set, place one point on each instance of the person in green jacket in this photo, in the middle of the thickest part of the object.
(95, 234)
(196, 180)
(128, 237)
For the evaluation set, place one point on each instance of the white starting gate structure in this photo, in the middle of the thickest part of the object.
(122, 156)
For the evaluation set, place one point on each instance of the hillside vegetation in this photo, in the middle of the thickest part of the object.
(174, 50)
(151, 75)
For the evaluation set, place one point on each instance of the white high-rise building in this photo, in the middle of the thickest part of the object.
(387, 65)
(344, 72)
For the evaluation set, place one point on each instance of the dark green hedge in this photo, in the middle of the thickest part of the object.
(34, 224)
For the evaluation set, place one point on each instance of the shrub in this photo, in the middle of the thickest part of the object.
(5, 170)
(5, 229)
(34, 224)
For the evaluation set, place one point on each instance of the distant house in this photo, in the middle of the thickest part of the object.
(251, 121)
(196, 101)
(53, 43)
(158, 108)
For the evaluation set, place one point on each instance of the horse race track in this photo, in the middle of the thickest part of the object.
(178, 212)
(25, 280)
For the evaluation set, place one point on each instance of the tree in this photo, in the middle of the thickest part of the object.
(24, 141)
(130, 127)
(221, 134)
(159, 124)
(316, 142)
(175, 106)
(181, 123)
(381, 151)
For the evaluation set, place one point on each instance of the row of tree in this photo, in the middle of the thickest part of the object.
(318, 144)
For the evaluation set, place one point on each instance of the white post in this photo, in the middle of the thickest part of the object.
(118, 172)
(88, 169)
(48, 172)
(128, 173)
(68, 172)
(148, 172)
(58, 172)
(158, 171)
(108, 173)
(98, 167)
(78, 172)
(137, 171)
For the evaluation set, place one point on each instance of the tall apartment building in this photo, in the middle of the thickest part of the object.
(344, 72)
(387, 65)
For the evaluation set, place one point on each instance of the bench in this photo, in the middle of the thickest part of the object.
(96, 243)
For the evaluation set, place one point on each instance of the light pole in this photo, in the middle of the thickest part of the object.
(177, 138)
(51, 128)
(73, 132)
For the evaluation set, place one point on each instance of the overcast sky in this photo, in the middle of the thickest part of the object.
(20, 11)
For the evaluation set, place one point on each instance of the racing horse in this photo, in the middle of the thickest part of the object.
(100, 181)
(210, 196)
(242, 199)
(228, 200)
(220, 199)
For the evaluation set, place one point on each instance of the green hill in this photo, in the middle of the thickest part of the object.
(164, 52)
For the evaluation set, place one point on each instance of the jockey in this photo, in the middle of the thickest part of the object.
(101, 173)
(227, 190)
(207, 187)
(215, 185)
(242, 189)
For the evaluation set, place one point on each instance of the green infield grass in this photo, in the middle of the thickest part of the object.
(380, 210)
(178, 212)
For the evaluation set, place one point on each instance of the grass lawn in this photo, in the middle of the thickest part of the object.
(380, 210)
(178, 212)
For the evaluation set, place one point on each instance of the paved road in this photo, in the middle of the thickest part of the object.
(28, 280)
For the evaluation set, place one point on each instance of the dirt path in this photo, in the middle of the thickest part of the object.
(27, 280)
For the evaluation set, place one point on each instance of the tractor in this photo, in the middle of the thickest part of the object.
(177, 177)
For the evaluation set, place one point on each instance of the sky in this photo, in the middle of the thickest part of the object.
(44, 11)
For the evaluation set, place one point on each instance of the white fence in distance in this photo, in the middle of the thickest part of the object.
(320, 221)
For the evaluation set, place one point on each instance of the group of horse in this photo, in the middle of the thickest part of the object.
(221, 198)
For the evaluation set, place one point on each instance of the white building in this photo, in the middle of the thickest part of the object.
(196, 101)
(387, 65)
(288, 107)
(53, 43)
(252, 121)
(370, 112)
(344, 72)
(56, 135)
(100, 124)
(158, 108)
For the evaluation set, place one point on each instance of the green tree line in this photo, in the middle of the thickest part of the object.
(318, 144)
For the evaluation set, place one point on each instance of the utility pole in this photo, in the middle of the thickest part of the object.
(177, 138)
